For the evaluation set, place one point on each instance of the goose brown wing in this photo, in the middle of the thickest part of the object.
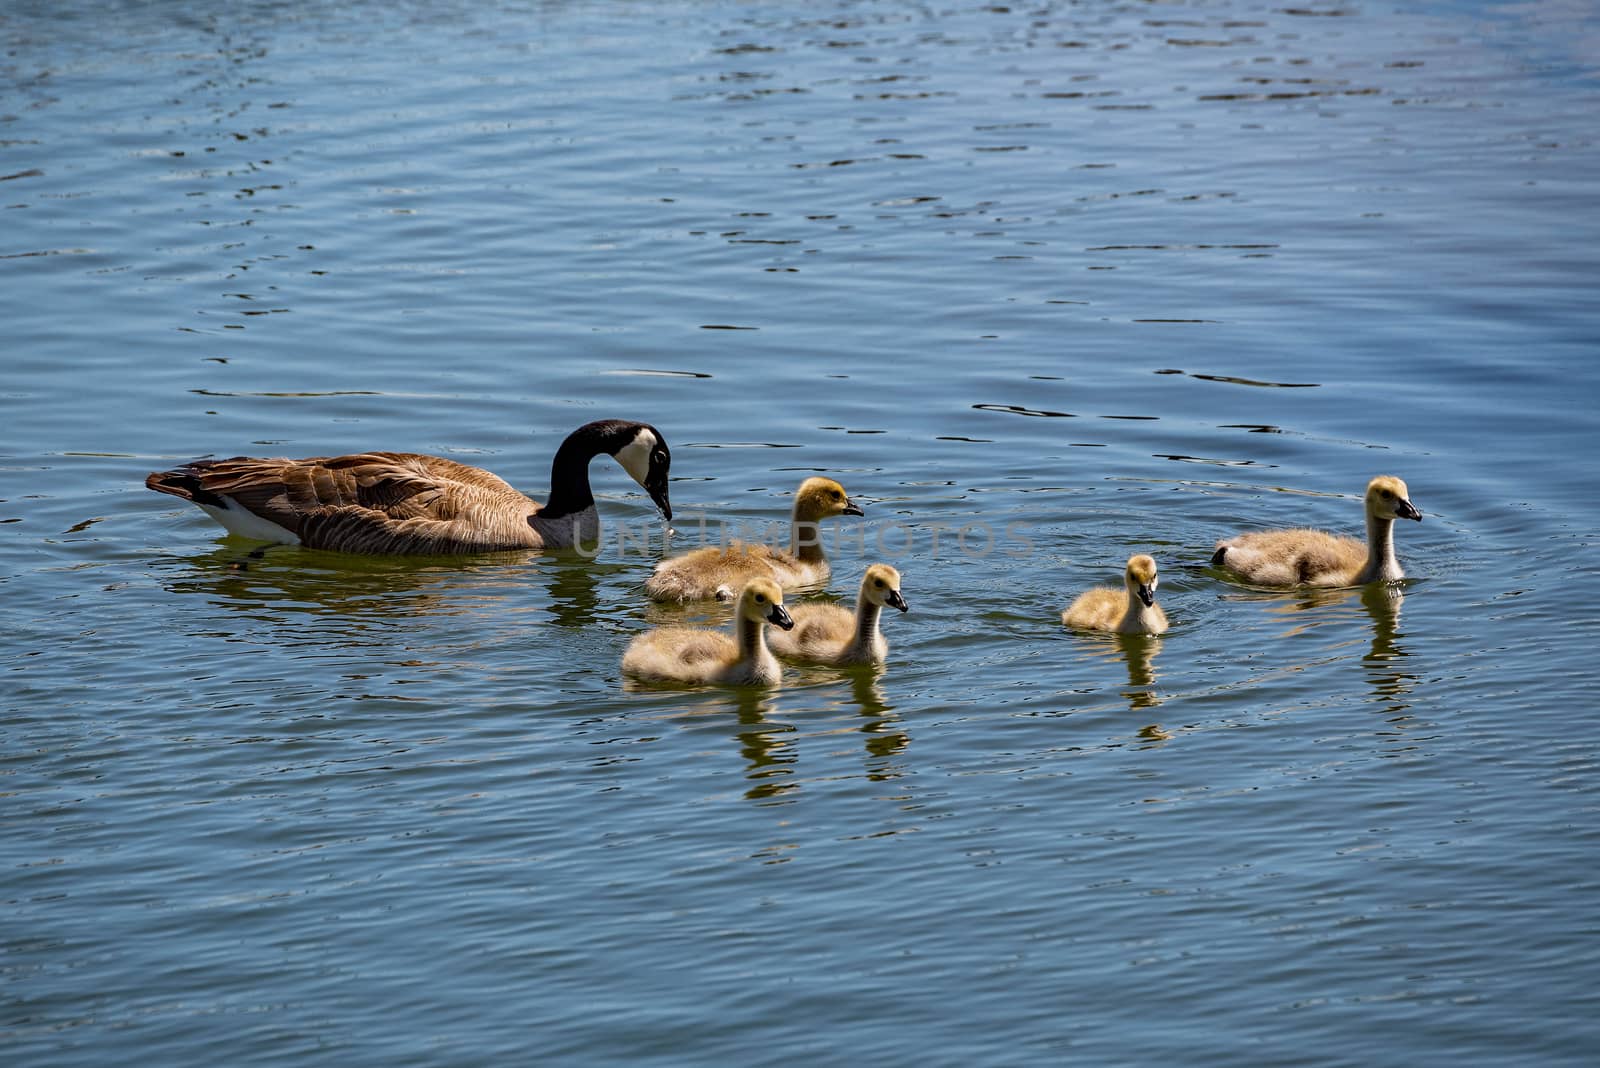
(381, 502)
(442, 470)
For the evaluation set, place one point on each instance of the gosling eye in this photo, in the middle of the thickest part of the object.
(761, 598)
(878, 583)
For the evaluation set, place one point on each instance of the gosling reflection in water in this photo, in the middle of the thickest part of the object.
(1138, 653)
(768, 742)
(1139, 650)
(1381, 602)
(770, 757)
(1390, 685)
(769, 750)
(883, 741)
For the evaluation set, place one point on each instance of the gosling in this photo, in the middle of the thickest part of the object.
(829, 634)
(1133, 612)
(717, 571)
(1316, 558)
(698, 655)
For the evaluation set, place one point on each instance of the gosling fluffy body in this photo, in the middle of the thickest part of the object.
(698, 655)
(1131, 610)
(829, 634)
(719, 570)
(1301, 557)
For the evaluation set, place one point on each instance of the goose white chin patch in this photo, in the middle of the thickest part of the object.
(635, 455)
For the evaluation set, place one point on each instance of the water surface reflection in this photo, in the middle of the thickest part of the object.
(1137, 653)
(884, 736)
(770, 740)
(1389, 676)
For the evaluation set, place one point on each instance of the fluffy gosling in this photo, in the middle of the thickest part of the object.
(695, 654)
(1302, 557)
(829, 634)
(1132, 612)
(719, 570)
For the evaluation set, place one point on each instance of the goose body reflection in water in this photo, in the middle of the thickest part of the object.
(361, 590)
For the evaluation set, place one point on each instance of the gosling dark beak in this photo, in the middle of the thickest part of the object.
(656, 486)
(779, 616)
(1407, 510)
(1147, 595)
(851, 508)
(896, 601)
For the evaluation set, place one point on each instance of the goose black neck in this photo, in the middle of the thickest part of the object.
(569, 471)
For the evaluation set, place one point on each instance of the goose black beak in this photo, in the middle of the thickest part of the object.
(780, 617)
(897, 601)
(1148, 596)
(1407, 510)
(657, 488)
(851, 508)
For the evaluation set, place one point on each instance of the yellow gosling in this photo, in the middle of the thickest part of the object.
(696, 654)
(1130, 611)
(1303, 557)
(719, 570)
(829, 634)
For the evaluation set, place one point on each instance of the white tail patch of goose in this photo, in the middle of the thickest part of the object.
(243, 523)
(635, 455)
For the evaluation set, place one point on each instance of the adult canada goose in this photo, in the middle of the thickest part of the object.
(718, 570)
(402, 502)
(695, 654)
(1132, 610)
(1316, 558)
(829, 634)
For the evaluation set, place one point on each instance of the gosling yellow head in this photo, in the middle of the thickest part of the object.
(821, 498)
(1141, 578)
(882, 587)
(761, 600)
(1388, 498)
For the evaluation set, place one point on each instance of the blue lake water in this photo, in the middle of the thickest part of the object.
(1042, 285)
